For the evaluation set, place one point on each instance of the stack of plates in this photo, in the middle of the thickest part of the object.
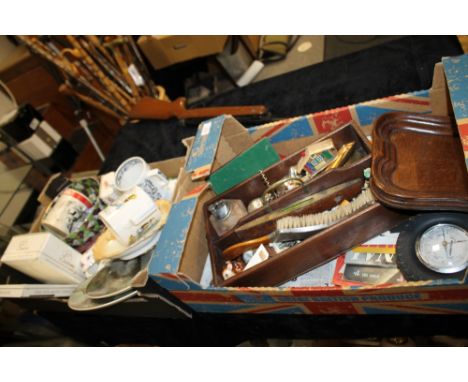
(111, 285)
(145, 244)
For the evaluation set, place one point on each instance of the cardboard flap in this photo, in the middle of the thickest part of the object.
(205, 145)
(182, 230)
(170, 248)
(456, 73)
(440, 99)
(217, 141)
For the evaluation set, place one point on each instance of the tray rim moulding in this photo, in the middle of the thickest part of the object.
(393, 191)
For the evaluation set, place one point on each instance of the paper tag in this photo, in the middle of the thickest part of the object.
(260, 255)
(34, 123)
(33, 290)
(136, 76)
(205, 129)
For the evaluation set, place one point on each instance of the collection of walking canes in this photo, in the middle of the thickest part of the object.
(109, 74)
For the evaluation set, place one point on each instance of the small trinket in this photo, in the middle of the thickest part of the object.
(225, 214)
(281, 246)
(232, 268)
(247, 255)
(313, 149)
(228, 271)
(344, 202)
(255, 204)
(342, 156)
(238, 265)
(282, 186)
(319, 162)
(275, 190)
(367, 173)
(261, 254)
(220, 209)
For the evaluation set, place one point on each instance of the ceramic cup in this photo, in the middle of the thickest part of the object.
(131, 216)
(107, 190)
(136, 172)
(68, 211)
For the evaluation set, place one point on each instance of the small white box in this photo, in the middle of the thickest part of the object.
(44, 257)
(36, 290)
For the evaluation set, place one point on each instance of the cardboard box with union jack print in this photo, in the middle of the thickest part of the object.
(178, 260)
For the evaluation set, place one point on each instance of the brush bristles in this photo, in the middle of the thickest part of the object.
(328, 217)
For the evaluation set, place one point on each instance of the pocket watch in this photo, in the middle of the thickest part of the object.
(433, 246)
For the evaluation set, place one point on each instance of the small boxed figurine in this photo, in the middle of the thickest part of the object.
(44, 257)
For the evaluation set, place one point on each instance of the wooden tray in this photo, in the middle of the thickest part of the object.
(318, 249)
(418, 163)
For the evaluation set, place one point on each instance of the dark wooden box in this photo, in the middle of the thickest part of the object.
(319, 248)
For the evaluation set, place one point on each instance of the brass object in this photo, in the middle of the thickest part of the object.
(342, 156)
(264, 178)
(281, 187)
(255, 204)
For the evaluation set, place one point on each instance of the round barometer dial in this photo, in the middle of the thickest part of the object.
(443, 248)
(433, 246)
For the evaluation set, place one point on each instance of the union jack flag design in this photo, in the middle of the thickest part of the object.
(416, 298)
(362, 115)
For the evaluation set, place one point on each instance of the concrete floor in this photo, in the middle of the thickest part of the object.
(336, 46)
(308, 50)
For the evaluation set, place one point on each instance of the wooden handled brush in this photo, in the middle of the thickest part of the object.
(301, 227)
(300, 204)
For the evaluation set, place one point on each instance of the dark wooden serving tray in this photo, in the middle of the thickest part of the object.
(318, 249)
(418, 163)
